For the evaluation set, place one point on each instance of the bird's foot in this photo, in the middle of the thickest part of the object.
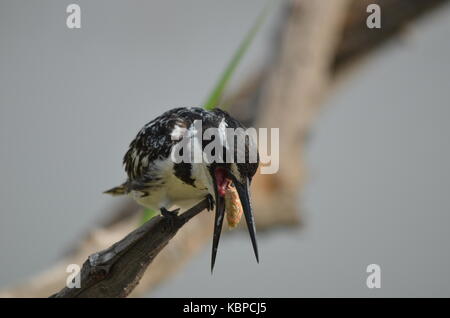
(171, 216)
(211, 202)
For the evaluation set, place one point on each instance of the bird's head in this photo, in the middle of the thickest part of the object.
(244, 154)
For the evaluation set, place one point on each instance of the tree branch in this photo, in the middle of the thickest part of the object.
(115, 271)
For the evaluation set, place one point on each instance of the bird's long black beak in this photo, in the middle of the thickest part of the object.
(244, 196)
(218, 221)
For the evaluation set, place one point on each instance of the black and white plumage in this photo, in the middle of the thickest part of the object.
(157, 182)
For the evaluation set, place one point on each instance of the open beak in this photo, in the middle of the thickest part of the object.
(244, 196)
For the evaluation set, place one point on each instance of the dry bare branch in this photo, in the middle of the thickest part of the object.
(115, 271)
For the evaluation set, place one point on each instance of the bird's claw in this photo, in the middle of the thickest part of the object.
(170, 214)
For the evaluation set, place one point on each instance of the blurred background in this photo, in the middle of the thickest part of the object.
(371, 108)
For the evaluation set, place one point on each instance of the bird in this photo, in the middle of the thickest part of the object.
(158, 182)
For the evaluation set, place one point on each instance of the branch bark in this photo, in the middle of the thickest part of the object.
(115, 271)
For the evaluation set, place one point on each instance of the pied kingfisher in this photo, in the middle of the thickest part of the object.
(157, 182)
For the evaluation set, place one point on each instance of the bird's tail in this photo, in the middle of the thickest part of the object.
(119, 190)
